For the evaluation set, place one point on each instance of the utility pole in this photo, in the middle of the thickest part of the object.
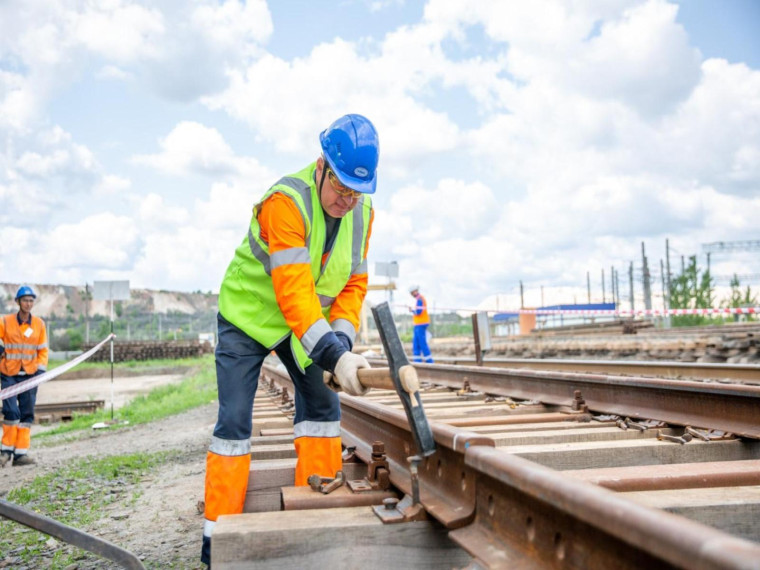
(630, 280)
(664, 294)
(87, 313)
(588, 286)
(612, 283)
(667, 281)
(604, 296)
(522, 302)
(646, 277)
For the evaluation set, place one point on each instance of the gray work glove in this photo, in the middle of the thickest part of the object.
(346, 374)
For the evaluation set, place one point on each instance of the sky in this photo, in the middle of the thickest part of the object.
(537, 142)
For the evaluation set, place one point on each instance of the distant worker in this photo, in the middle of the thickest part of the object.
(421, 321)
(296, 286)
(23, 354)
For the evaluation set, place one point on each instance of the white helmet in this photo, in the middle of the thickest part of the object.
(414, 288)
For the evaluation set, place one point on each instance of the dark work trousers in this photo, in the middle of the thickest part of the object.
(20, 407)
(238, 364)
(420, 347)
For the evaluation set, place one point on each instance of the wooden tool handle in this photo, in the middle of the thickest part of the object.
(381, 378)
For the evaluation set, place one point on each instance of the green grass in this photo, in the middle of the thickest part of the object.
(198, 388)
(131, 364)
(69, 495)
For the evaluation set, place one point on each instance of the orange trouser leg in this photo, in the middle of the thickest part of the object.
(226, 484)
(23, 439)
(317, 455)
(9, 437)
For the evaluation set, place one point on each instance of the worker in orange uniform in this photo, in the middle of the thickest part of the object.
(296, 286)
(23, 354)
(421, 321)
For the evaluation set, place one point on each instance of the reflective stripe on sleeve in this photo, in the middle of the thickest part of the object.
(313, 335)
(325, 301)
(230, 447)
(290, 256)
(344, 326)
(316, 429)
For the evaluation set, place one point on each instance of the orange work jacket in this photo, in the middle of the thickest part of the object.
(26, 345)
(420, 315)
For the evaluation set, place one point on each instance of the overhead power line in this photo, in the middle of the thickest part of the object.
(731, 246)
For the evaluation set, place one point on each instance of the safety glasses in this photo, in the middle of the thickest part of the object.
(340, 188)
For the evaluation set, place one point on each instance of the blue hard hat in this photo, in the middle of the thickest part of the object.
(351, 148)
(25, 291)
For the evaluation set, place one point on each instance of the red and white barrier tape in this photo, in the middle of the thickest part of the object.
(611, 312)
(37, 380)
(643, 312)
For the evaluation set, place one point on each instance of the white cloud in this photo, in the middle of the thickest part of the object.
(270, 96)
(233, 25)
(119, 32)
(153, 211)
(192, 148)
(184, 259)
(111, 184)
(95, 247)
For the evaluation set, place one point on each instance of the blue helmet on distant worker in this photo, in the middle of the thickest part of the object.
(351, 148)
(25, 291)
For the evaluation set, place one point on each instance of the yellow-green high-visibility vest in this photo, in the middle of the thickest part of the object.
(247, 298)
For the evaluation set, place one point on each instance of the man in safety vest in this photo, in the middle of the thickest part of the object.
(295, 286)
(23, 354)
(421, 321)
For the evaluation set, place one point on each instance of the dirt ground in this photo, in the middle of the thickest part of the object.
(164, 526)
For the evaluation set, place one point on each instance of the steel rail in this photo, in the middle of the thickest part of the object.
(57, 408)
(729, 407)
(665, 369)
(528, 515)
(83, 540)
(509, 512)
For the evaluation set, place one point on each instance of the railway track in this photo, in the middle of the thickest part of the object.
(716, 372)
(64, 411)
(544, 469)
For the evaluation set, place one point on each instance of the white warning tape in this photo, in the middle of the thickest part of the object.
(37, 380)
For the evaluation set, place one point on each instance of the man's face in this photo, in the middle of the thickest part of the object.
(337, 200)
(26, 303)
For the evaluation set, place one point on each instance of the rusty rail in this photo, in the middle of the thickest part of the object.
(665, 369)
(729, 407)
